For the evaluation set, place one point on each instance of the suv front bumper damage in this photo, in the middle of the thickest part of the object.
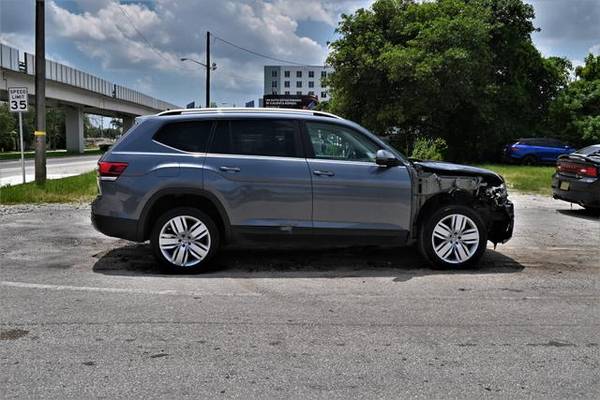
(501, 223)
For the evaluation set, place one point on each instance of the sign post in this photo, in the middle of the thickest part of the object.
(17, 100)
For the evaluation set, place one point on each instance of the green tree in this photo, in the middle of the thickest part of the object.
(575, 114)
(8, 134)
(462, 70)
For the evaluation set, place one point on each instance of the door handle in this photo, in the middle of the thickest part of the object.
(326, 173)
(229, 169)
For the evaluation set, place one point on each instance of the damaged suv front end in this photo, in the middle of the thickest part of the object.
(482, 190)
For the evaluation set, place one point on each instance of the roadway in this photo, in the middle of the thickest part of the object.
(83, 315)
(59, 167)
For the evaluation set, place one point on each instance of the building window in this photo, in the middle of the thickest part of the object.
(298, 74)
(299, 92)
(286, 74)
(311, 74)
(323, 74)
(311, 84)
(323, 95)
(286, 83)
(287, 92)
(298, 84)
(311, 93)
(274, 84)
(274, 74)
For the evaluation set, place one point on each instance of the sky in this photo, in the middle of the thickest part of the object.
(139, 44)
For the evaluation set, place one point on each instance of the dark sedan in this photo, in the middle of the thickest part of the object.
(577, 177)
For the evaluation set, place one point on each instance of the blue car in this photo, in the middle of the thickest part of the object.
(536, 151)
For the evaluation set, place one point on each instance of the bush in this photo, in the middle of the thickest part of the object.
(429, 149)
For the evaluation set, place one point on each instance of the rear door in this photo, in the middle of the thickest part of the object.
(351, 193)
(256, 169)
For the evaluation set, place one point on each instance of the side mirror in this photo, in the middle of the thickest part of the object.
(386, 159)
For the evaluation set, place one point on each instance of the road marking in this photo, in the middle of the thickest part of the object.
(168, 292)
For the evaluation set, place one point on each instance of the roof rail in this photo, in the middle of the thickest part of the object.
(226, 110)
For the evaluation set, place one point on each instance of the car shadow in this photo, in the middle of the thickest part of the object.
(591, 215)
(401, 263)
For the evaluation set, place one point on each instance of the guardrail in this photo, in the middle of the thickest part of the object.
(9, 59)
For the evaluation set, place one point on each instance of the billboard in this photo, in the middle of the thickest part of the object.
(300, 101)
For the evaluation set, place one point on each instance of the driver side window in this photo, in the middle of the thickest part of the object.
(334, 142)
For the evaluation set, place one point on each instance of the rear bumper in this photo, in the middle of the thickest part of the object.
(582, 192)
(122, 228)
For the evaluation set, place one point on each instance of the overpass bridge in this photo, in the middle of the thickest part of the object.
(76, 92)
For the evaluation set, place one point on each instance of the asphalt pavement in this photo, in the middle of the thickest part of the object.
(86, 316)
(56, 167)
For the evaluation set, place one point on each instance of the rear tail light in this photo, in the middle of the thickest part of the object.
(589, 171)
(577, 169)
(111, 170)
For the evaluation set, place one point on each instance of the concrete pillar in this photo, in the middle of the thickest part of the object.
(128, 121)
(74, 128)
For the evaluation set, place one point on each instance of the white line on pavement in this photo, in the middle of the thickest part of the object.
(170, 292)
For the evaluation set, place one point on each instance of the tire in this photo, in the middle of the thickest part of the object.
(592, 209)
(184, 240)
(529, 160)
(453, 251)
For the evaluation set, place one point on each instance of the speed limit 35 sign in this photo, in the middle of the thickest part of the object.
(17, 99)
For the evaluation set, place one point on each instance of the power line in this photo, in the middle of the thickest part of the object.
(256, 53)
(141, 35)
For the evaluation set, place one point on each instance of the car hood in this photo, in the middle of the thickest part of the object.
(446, 168)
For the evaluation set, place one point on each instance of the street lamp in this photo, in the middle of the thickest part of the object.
(212, 68)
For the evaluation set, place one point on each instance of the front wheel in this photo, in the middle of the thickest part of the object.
(453, 237)
(184, 239)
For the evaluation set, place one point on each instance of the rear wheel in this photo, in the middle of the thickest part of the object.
(184, 239)
(529, 160)
(453, 237)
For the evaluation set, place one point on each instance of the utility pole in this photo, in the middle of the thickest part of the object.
(40, 94)
(208, 67)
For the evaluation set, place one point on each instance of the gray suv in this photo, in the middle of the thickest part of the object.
(191, 181)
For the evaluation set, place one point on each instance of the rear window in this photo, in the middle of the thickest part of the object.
(590, 150)
(189, 136)
(260, 137)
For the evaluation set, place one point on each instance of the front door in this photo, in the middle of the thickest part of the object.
(351, 193)
(257, 171)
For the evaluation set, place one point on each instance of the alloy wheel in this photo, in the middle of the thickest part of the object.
(455, 238)
(184, 240)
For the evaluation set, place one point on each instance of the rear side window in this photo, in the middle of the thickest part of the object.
(260, 137)
(189, 136)
(554, 143)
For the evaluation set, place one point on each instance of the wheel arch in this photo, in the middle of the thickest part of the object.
(166, 199)
(458, 197)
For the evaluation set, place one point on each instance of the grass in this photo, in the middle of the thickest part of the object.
(16, 155)
(526, 179)
(80, 188)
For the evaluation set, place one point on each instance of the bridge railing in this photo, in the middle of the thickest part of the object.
(9, 59)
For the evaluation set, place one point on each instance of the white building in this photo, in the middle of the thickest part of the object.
(305, 79)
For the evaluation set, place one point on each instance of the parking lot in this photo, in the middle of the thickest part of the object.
(86, 316)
